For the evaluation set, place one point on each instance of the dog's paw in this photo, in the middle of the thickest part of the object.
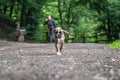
(58, 53)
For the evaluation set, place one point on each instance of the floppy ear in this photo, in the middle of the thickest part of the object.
(54, 29)
(65, 31)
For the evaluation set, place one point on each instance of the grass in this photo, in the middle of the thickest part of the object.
(115, 44)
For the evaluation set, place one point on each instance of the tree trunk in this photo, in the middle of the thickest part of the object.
(109, 29)
(60, 12)
(84, 39)
(69, 14)
(5, 9)
(11, 8)
(23, 13)
(68, 18)
(28, 19)
(96, 38)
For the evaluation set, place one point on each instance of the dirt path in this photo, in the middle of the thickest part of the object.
(23, 61)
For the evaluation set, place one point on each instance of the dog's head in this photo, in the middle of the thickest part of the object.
(58, 32)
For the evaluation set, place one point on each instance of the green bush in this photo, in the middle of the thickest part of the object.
(115, 44)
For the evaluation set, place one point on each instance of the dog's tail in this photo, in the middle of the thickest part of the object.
(66, 32)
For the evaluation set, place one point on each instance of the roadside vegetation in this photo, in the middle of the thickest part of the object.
(115, 44)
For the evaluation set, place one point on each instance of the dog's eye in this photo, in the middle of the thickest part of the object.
(60, 32)
(56, 32)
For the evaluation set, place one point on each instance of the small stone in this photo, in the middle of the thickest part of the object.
(57, 76)
(113, 60)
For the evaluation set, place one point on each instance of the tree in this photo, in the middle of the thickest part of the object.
(98, 19)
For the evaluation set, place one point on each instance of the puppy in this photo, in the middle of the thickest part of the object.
(59, 39)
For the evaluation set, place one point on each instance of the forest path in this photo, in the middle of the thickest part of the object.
(79, 61)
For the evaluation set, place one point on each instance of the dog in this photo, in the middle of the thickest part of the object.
(59, 38)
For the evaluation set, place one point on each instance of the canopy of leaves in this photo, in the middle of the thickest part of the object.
(98, 19)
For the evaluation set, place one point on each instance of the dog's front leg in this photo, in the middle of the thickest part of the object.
(58, 49)
(61, 46)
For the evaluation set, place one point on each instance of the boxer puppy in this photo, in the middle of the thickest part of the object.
(59, 39)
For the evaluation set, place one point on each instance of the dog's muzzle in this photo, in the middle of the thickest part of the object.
(59, 36)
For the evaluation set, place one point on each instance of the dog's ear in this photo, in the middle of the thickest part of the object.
(55, 29)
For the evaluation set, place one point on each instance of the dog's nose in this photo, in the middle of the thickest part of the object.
(58, 35)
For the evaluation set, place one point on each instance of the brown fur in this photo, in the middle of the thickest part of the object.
(59, 41)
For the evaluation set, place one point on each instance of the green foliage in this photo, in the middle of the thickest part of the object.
(115, 44)
(98, 19)
(86, 24)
